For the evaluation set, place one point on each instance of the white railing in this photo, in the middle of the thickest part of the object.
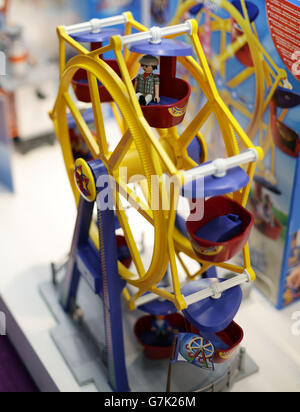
(219, 167)
(217, 288)
(214, 291)
(95, 25)
(155, 34)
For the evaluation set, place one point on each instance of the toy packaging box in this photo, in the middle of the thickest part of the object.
(255, 59)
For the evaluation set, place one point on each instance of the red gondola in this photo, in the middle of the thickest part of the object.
(221, 251)
(174, 92)
(80, 80)
(81, 85)
(153, 351)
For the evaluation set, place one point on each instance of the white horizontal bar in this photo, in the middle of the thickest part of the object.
(156, 33)
(95, 25)
(217, 288)
(219, 167)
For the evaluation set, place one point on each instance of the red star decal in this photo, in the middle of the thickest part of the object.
(82, 181)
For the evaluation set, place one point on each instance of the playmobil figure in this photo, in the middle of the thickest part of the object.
(161, 327)
(147, 84)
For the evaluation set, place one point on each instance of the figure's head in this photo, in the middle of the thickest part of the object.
(149, 63)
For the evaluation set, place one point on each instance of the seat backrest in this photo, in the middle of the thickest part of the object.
(174, 88)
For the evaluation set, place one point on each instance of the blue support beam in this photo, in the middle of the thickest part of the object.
(100, 270)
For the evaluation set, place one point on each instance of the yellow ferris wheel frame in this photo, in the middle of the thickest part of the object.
(141, 151)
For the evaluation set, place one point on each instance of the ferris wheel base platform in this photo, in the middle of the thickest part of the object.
(80, 342)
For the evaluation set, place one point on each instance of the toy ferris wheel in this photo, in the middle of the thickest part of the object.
(151, 145)
(139, 149)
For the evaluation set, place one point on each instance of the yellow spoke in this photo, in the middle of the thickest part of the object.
(221, 25)
(271, 93)
(203, 268)
(283, 115)
(100, 51)
(230, 51)
(189, 134)
(135, 201)
(174, 196)
(77, 46)
(165, 295)
(241, 77)
(120, 120)
(245, 12)
(183, 265)
(98, 116)
(83, 127)
(230, 267)
(238, 106)
(268, 143)
(267, 74)
(120, 151)
(129, 238)
(246, 191)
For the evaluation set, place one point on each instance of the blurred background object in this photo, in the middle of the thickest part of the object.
(28, 40)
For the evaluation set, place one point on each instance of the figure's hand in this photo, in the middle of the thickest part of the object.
(293, 280)
(157, 99)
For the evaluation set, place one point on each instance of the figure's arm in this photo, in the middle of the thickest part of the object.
(157, 97)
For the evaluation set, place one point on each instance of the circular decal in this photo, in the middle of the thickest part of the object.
(84, 179)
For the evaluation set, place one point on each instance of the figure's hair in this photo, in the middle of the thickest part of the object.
(148, 60)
